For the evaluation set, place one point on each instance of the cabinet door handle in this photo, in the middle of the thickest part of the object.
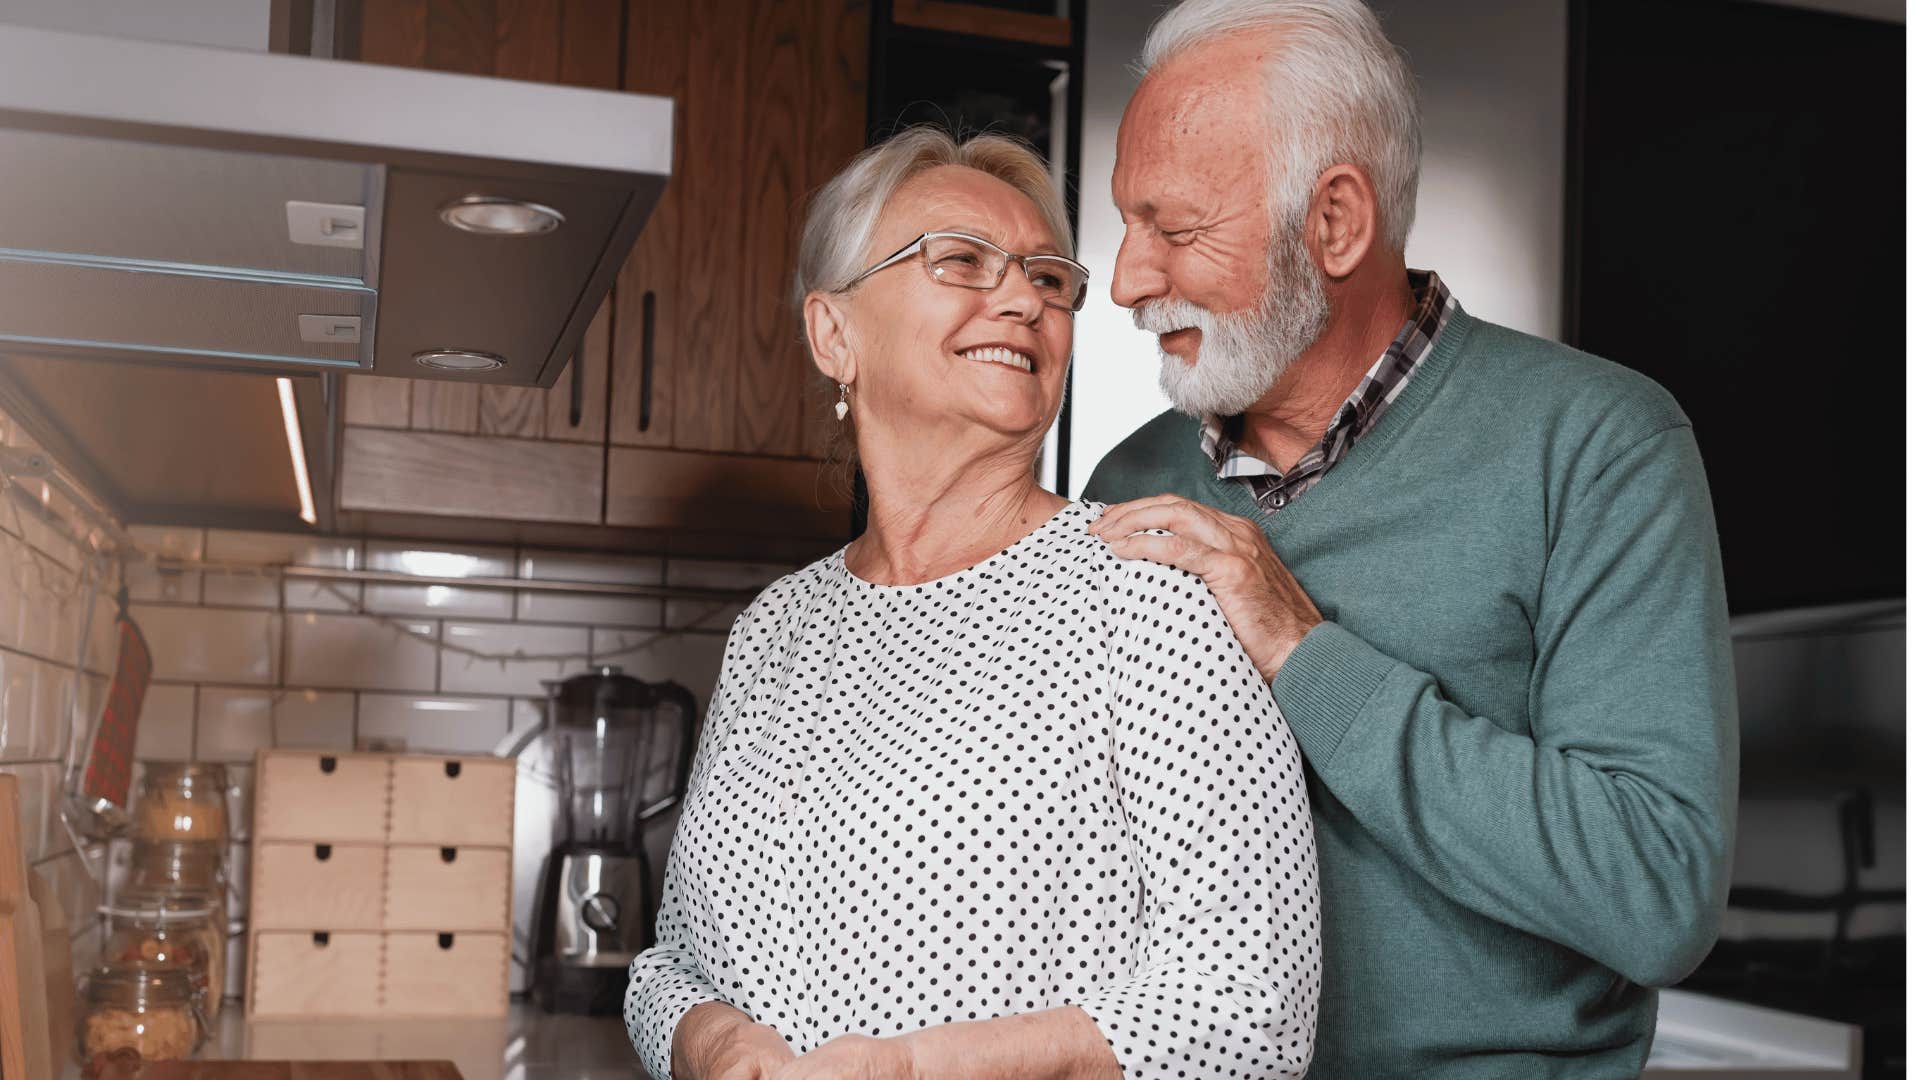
(646, 360)
(576, 393)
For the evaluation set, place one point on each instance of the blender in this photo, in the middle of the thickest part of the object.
(620, 749)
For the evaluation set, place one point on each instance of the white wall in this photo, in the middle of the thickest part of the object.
(227, 24)
(1492, 80)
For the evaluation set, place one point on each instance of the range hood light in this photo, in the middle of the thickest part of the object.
(290, 416)
(459, 360)
(493, 215)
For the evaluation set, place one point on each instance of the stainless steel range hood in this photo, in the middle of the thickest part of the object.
(174, 204)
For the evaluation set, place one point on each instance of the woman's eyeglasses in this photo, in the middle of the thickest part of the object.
(972, 263)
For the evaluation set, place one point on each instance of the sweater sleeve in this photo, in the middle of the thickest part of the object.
(1607, 827)
(1226, 977)
(667, 980)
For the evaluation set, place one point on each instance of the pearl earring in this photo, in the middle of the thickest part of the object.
(840, 407)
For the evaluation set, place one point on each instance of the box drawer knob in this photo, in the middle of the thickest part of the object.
(446, 941)
(323, 852)
(448, 854)
(328, 763)
(320, 939)
(453, 770)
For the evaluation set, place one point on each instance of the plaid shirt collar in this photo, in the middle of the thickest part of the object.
(1273, 488)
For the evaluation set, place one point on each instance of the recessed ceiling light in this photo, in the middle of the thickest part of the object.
(459, 360)
(494, 215)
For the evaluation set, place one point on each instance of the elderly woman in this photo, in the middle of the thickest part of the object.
(974, 795)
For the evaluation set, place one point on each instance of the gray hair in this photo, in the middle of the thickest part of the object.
(841, 217)
(1338, 92)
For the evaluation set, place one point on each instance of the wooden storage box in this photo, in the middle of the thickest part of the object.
(460, 801)
(303, 886)
(447, 888)
(333, 798)
(382, 886)
(442, 974)
(304, 974)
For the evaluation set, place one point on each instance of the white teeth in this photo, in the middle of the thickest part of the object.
(997, 355)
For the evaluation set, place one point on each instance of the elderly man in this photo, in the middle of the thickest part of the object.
(1478, 568)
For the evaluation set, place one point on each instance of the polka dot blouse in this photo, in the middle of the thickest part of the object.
(1051, 778)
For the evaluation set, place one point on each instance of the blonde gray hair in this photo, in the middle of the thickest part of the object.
(1337, 92)
(842, 216)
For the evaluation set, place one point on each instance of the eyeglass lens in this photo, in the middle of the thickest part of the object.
(970, 264)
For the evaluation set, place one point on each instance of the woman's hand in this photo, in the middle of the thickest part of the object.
(853, 1057)
(715, 1041)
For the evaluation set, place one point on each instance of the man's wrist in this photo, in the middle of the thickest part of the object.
(1271, 669)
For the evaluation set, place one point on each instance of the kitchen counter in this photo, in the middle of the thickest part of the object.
(1697, 1037)
(528, 1045)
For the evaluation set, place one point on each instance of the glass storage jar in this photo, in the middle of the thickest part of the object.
(132, 1014)
(182, 800)
(160, 929)
(190, 865)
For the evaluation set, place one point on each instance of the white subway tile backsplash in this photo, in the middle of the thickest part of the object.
(210, 645)
(233, 724)
(590, 610)
(49, 627)
(12, 594)
(472, 675)
(79, 896)
(359, 652)
(313, 720)
(719, 574)
(17, 715)
(53, 711)
(682, 614)
(280, 549)
(746, 577)
(583, 609)
(440, 561)
(419, 724)
(165, 731)
(45, 538)
(147, 581)
(690, 659)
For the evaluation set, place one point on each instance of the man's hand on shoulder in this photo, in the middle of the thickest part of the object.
(1269, 611)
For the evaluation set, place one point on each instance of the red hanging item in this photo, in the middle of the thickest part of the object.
(110, 763)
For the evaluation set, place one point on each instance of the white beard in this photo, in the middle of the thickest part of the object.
(1242, 353)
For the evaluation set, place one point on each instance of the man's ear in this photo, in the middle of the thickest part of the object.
(828, 337)
(1343, 221)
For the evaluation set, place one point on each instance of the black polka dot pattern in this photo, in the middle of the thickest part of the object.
(1051, 778)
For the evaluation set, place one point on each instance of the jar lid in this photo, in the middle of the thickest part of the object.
(135, 984)
(198, 854)
(158, 906)
(212, 772)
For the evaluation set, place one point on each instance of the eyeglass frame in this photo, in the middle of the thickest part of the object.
(919, 246)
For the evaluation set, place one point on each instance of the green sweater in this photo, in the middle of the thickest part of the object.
(1518, 717)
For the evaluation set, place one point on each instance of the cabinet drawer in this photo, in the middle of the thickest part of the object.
(314, 974)
(317, 886)
(454, 801)
(447, 888)
(440, 974)
(421, 472)
(334, 798)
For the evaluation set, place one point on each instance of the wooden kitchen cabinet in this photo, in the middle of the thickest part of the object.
(770, 102)
(694, 367)
(475, 450)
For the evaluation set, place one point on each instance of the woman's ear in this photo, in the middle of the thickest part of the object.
(828, 337)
